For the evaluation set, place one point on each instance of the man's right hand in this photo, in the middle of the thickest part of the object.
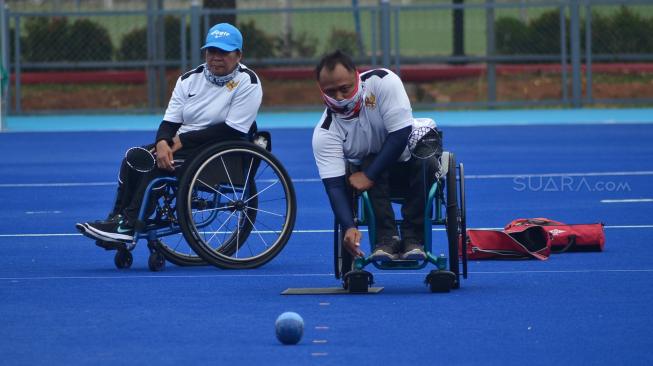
(164, 159)
(352, 242)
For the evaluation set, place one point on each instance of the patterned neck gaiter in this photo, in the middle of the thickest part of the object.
(219, 80)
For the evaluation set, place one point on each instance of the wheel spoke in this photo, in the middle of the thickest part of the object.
(263, 190)
(215, 190)
(265, 211)
(249, 171)
(228, 176)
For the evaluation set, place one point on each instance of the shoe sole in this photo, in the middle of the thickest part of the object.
(89, 232)
(383, 257)
(101, 234)
(414, 255)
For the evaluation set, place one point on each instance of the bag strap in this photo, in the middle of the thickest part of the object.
(571, 241)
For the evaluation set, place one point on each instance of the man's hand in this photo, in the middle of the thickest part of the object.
(176, 144)
(164, 159)
(352, 242)
(360, 181)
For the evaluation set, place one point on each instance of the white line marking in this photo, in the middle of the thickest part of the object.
(318, 354)
(588, 174)
(42, 212)
(628, 200)
(315, 231)
(321, 327)
(121, 277)
(40, 185)
(320, 341)
(314, 180)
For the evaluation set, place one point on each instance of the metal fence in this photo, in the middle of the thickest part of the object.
(479, 54)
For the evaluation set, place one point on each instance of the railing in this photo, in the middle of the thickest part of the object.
(413, 40)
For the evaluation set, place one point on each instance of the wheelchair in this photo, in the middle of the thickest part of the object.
(445, 206)
(234, 204)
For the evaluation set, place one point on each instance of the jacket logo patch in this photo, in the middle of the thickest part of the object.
(231, 85)
(370, 101)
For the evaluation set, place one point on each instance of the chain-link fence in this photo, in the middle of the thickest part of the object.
(125, 55)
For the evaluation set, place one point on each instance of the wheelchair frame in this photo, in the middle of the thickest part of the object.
(446, 194)
(176, 208)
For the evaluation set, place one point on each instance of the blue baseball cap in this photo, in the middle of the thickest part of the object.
(225, 37)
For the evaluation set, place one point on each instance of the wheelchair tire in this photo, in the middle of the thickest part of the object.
(178, 258)
(258, 195)
(462, 217)
(452, 220)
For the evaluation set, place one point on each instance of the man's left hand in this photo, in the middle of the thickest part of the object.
(176, 144)
(360, 181)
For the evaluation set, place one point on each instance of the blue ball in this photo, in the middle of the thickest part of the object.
(289, 327)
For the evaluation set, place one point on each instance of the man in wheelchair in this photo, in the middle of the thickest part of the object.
(216, 101)
(361, 143)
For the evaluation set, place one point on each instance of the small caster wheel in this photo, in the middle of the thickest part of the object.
(441, 281)
(156, 262)
(123, 259)
(358, 281)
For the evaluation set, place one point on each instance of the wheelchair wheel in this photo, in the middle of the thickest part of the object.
(179, 254)
(236, 206)
(452, 221)
(343, 260)
(462, 217)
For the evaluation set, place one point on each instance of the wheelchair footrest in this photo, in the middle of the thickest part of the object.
(358, 281)
(399, 263)
(440, 281)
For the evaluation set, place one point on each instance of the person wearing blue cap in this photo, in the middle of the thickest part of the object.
(216, 101)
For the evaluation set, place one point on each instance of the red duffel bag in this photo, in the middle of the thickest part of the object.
(515, 242)
(565, 237)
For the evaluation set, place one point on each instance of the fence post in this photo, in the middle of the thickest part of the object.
(385, 32)
(490, 52)
(150, 69)
(374, 17)
(194, 34)
(574, 29)
(458, 28)
(397, 45)
(161, 55)
(357, 28)
(588, 52)
(17, 92)
(4, 63)
(564, 61)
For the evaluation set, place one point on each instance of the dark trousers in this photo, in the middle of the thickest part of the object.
(132, 185)
(411, 181)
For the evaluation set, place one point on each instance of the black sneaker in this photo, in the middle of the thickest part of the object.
(82, 227)
(413, 250)
(387, 250)
(116, 230)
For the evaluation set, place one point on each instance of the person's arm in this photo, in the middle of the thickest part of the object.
(393, 146)
(172, 121)
(167, 130)
(336, 189)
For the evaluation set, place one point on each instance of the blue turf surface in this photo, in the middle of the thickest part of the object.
(63, 302)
